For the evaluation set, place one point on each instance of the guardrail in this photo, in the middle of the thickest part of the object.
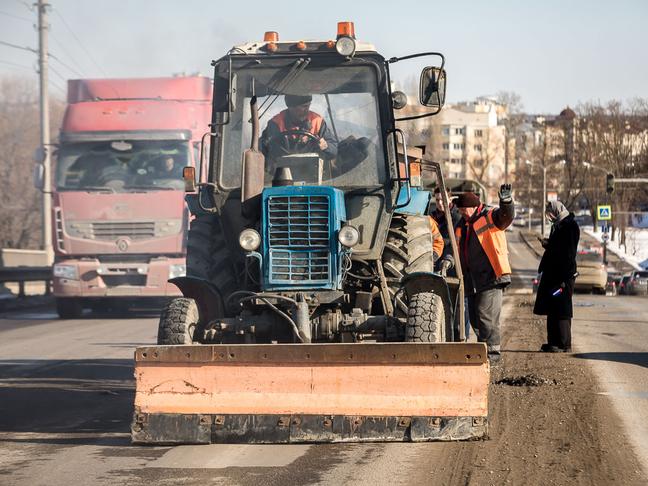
(21, 275)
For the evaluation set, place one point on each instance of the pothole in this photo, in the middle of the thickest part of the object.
(526, 380)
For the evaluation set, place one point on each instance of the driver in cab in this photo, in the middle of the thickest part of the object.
(297, 130)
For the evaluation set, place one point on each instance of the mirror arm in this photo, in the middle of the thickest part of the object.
(415, 117)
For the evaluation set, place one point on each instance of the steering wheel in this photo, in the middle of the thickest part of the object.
(292, 141)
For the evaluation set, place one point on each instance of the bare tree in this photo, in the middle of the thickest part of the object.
(20, 203)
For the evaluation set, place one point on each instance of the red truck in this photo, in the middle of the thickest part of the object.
(119, 217)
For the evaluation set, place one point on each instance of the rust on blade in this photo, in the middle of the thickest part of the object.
(366, 353)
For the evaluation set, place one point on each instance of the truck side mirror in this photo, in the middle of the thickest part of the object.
(432, 88)
(39, 176)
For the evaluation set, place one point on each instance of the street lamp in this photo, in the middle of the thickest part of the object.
(544, 188)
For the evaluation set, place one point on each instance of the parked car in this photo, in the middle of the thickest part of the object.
(623, 285)
(637, 283)
(592, 272)
(614, 280)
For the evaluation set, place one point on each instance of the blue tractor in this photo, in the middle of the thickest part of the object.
(302, 238)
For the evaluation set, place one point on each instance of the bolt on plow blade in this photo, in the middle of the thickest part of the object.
(288, 393)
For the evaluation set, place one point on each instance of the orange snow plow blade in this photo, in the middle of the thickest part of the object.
(281, 393)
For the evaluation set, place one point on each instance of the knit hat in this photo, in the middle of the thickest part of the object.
(296, 100)
(467, 200)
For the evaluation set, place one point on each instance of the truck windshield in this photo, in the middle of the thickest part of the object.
(344, 98)
(121, 166)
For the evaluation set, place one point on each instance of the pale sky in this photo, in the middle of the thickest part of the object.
(552, 53)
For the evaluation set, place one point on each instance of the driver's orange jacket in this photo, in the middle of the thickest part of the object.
(314, 122)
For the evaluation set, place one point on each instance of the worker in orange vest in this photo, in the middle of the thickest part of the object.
(298, 130)
(484, 261)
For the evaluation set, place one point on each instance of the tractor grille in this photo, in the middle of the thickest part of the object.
(298, 239)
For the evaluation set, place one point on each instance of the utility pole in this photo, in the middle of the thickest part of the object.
(45, 129)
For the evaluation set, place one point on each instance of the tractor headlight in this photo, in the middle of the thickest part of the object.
(348, 236)
(249, 239)
(175, 271)
(345, 46)
(66, 271)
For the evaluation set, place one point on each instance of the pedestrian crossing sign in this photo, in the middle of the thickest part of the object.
(604, 213)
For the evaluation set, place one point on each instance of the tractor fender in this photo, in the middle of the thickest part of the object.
(418, 282)
(207, 297)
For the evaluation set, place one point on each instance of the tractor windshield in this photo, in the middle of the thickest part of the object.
(339, 104)
(121, 166)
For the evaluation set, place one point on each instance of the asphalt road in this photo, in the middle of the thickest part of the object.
(66, 392)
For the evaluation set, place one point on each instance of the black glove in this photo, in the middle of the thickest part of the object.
(505, 193)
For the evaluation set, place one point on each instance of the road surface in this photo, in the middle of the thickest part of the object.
(66, 392)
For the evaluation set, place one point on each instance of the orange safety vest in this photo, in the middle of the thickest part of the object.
(493, 241)
(313, 118)
(437, 239)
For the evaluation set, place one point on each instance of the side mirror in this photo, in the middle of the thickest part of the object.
(432, 88)
(39, 176)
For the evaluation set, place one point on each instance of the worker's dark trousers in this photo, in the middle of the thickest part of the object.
(559, 332)
(484, 309)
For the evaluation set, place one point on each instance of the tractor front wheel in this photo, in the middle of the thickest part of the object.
(178, 322)
(425, 319)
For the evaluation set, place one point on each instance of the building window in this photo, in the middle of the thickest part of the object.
(479, 162)
(458, 146)
(478, 147)
(478, 133)
(446, 146)
(445, 131)
(456, 161)
(459, 131)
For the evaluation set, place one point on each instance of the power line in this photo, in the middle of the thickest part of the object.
(25, 4)
(66, 52)
(9, 63)
(17, 17)
(65, 65)
(79, 42)
(63, 78)
(15, 46)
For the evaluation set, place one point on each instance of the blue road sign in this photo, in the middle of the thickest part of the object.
(604, 213)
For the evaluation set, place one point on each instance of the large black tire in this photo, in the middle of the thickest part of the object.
(426, 321)
(69, 308)
(177, 322)
(208, 255)
(408, 249)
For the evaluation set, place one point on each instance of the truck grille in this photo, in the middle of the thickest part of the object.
(298, 239)
(111, 230)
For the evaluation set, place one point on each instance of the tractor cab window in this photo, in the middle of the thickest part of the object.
(338, 105)
(121, 166)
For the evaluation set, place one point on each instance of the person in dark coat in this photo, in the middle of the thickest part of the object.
(558, 273)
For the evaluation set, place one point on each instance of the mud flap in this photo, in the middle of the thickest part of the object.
(207, 297)
(290, 393)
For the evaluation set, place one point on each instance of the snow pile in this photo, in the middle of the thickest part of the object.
(635, 251)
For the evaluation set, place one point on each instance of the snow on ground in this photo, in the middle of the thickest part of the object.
(635, 251)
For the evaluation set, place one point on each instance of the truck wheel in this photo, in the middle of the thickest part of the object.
(408, 249)
(177, 322)
(425, 319)
(68, 308)
(208, 255)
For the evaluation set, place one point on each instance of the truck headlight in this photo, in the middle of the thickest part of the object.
(249, 239)
(66, 271)
(345, 46)
(348, 236)
(179, 270)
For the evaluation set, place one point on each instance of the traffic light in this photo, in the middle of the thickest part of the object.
(609, 186)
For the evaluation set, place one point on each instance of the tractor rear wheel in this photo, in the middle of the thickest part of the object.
(425, 319)
(208, 255)
(178, 321)
(408, 249)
